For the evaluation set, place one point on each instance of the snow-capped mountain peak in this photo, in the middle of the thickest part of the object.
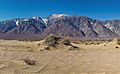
(36, 18)
(58, 15)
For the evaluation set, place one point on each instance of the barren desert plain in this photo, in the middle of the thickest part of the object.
(76, 57)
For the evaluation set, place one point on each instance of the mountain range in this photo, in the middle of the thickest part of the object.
(59, 25)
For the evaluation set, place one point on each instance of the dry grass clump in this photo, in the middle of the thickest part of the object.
(38, 44)
(30, 62)
(58, 43)
(109, 40)
(30, 50)
(104, 45)
(96, 43)
(118, 41)
(52, 41)
(88, 43)
(66, 42)
(78, 42)
(73, 48)
(47, 48)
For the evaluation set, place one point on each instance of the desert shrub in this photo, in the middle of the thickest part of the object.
(73, 48)
(96, 43)
(30, 62)
(52, 41)
(109, 40)
(76, 42)
(86, 43)
(41, 50)
(89, 43)
(104, 45)
(47, 48)
(30, 50)
(118, 42)
(38, 44)
(66, 42)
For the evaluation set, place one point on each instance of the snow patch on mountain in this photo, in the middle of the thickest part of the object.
(25, 19)
(110, 26)
(37, 18)
(17, 22)
(45, 21)
(58, 15)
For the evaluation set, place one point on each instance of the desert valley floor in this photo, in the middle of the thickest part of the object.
(28, 57)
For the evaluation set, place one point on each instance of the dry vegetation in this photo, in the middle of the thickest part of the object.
(56, 55)
(118, 41)
(57, 43)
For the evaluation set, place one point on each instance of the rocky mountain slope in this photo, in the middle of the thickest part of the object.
(77, 26)
(113, 25)
(60, 25)
(34, 25)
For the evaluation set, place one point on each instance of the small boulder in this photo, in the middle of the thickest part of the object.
(30, 62)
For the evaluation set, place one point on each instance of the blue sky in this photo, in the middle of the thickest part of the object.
(99, 9)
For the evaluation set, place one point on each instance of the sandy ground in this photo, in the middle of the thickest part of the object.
(90, 59)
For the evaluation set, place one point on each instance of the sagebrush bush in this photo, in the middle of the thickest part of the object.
(47, 48)
(118, 42)
(66, 42)
(73, 48)
(52, 41)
